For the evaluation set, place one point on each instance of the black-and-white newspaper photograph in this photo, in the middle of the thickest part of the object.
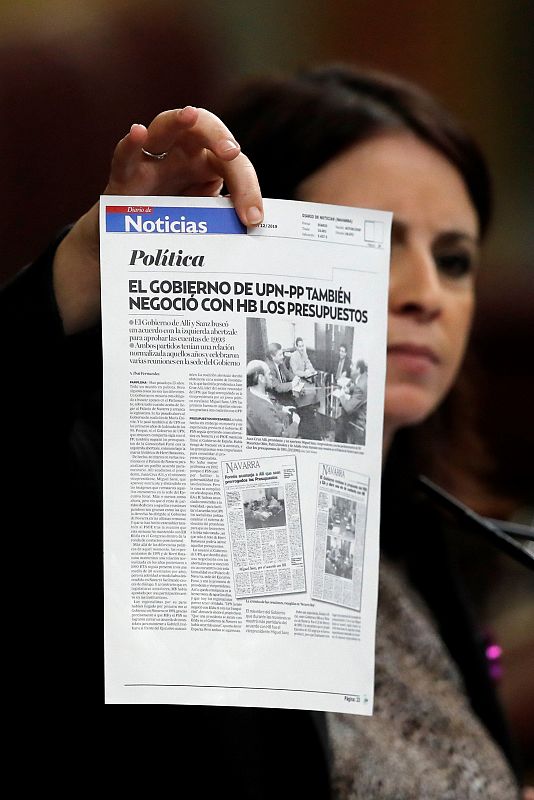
(264, 525)
(306, 380)
(340, 536)
(264, 507)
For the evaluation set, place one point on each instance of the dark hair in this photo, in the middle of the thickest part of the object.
(361, 365)
(290, 127)
(254, 370)
(298, 339)
(273, 348)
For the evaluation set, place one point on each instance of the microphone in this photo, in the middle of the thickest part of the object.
(500, 533)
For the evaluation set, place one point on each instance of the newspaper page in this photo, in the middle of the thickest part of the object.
(340, 536)
(244, 379)
(263, 518)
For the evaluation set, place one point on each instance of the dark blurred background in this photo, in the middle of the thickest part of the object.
(75, 76)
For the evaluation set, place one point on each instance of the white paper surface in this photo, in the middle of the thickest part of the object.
(241, 569)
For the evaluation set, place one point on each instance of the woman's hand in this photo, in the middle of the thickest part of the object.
(201, 154)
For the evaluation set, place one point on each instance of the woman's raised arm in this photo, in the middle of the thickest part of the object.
(187, 151)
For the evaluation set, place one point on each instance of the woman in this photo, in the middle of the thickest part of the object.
(352, 138)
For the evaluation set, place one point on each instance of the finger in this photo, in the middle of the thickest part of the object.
(242, 182)
(127, 157)
(192, 129)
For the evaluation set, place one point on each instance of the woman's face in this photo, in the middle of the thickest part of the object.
(433, 260)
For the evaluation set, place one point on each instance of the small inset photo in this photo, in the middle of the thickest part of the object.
(264, 507)
(342, 517)
(339, 560)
